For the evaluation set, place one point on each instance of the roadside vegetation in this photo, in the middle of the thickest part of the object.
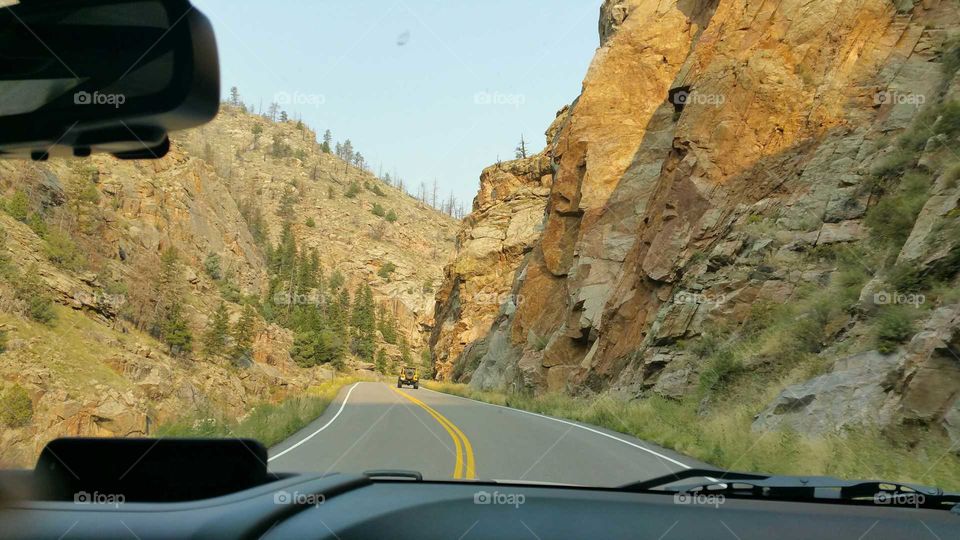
(269, 423)
(724, 439)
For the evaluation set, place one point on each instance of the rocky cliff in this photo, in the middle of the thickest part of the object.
(82, 244)
(744, 195)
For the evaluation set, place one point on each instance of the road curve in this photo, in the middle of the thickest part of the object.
(376, 426)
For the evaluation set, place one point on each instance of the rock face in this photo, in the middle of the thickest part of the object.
(92, 371)
(715, 143)
(493, 240)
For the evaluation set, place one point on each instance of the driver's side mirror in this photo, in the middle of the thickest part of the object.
(85, 76)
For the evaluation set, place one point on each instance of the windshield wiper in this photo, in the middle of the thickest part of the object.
(802, 488)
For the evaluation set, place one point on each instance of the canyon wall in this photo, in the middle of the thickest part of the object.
(717, 152)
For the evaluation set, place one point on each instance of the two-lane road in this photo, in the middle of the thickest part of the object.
(376, 426)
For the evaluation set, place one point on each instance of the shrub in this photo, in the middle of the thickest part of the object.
(895, 164)
(387, 270)
(949, 122)
(62, 251)
(29, 289)
(211, 265)
(952, 176)
(19, 205)
(907, 277)
(893, 326)
(892, 219)
(310, 222)
(352, 191)
(951, 58)
(378, 210)
(719, 370)
(391, 216)
(16, 409)
(377, 191)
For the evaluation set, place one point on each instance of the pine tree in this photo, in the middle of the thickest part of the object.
(211, 265)
(405, 357)
(174, 330)
(234, 96)
(215, 341)
(363, 322)
(381, 360)
(521, 150)
(327, 140)
(388, 327)
(243, 334)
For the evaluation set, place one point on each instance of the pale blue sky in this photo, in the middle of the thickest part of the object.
(417, 108)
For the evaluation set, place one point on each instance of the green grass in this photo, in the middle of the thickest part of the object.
(893, 326)
(892, 219)
(723, 437)
(269, 423)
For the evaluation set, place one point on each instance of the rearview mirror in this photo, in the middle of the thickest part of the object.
(84, 76)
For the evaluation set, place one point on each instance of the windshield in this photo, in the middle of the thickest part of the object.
(589, 242)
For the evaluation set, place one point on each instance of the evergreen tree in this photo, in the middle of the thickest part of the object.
(234, 96)
(243, 334)
(211, 265)
(405, 357)
(381, 360)
(174, 330)
(327, 141)
(388, 327)
(215, 341)
(426, 363)
(363, 322)
(521, 150)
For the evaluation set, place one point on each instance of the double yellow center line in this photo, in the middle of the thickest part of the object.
(465, 467)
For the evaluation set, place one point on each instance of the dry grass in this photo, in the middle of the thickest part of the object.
(269, 423)
(723, 438)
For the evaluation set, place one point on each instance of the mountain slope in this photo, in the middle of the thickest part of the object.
(108, 265)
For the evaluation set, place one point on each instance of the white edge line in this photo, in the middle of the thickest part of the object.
(325, 426)
(581, 426)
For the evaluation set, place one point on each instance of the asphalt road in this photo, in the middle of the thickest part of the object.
(377, 426)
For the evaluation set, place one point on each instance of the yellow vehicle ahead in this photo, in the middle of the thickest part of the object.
(409, 376)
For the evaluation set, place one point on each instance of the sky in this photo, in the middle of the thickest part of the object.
(427, 89)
